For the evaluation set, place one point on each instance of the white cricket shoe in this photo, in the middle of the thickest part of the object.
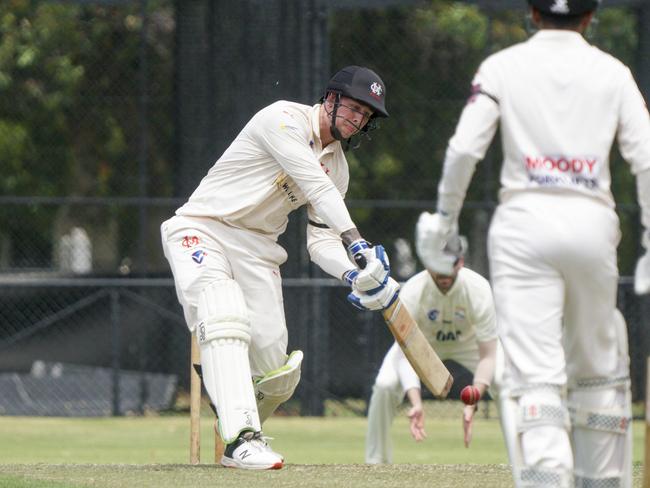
(251, 451)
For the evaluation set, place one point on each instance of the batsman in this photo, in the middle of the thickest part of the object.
(455, 311)
(560, 104)
(223, 251)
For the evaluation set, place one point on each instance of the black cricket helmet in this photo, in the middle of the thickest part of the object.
(565, 7)
(361, 84)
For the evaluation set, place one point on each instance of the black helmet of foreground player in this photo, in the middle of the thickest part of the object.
(364, 86)
(565, 7)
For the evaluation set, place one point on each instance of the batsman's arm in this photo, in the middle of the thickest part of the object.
(349, 236)
(325, 250)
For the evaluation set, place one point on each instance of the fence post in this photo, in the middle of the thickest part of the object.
(116, 343)
(319, 346)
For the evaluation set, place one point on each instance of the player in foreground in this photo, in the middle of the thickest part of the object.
(223, 251)
(552, 242)
(456, 314)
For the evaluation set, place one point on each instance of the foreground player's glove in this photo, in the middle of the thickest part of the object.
(377, 299)
(642, 275)
(642, 271)
(432, 234)
(374, 265)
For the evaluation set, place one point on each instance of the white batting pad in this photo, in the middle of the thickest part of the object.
(277, 386)
(539, 450)
(508, 410)
(224, 335)
(602, 436)
(601, 414)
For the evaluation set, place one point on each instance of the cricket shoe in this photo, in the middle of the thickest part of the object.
(251, 451)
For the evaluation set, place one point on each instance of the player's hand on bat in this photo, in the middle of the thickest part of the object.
(468, 417)
(375, 299)
(373, 263)
(416, 421)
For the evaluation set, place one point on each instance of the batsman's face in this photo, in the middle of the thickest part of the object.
(351, 116)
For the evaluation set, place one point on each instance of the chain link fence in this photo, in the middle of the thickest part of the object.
(111, 112)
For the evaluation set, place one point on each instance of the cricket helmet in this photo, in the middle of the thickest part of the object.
(361, 84)
(565, 7)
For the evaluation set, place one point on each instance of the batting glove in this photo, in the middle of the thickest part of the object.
(378, 300)
(374, 264)
(432, 233)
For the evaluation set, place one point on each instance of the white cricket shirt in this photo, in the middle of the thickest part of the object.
(454, 322)
(560, 103)
(275, 165)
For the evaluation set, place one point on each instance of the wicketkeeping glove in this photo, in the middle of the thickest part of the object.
(433, 232)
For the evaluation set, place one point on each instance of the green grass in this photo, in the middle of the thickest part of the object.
(154, 451)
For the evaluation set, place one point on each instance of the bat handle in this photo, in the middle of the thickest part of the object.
(360, 259)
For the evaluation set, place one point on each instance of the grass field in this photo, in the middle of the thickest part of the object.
(320, 452)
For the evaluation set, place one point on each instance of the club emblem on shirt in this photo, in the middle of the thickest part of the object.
(198, 256)
(433, 314)
(190, 241)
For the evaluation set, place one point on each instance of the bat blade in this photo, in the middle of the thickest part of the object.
(426, 363)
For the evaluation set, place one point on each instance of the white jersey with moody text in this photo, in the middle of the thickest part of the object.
(556, 134)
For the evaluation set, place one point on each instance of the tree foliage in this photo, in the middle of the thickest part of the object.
(79, 112)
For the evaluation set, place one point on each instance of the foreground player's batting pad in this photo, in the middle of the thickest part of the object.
(277, 386)
(224, 335)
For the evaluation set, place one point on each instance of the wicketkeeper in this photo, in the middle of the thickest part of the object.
(560, 103)
(223, 251)
(455, 312)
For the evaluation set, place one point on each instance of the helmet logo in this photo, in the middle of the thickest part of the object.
(560, 7)
(376, 89)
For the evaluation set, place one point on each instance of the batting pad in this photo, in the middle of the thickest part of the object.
(277, 386)
(542, 453)
(224, 335)
(602, 436)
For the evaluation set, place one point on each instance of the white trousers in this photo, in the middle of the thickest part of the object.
(202, 250)
(387, 395)
(554, 276)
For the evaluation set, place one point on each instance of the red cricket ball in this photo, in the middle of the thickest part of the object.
(470, 395)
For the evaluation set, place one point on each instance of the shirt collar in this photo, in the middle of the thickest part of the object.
(558, 35)
(315, 132)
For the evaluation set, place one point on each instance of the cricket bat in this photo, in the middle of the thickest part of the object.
(426, 363)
